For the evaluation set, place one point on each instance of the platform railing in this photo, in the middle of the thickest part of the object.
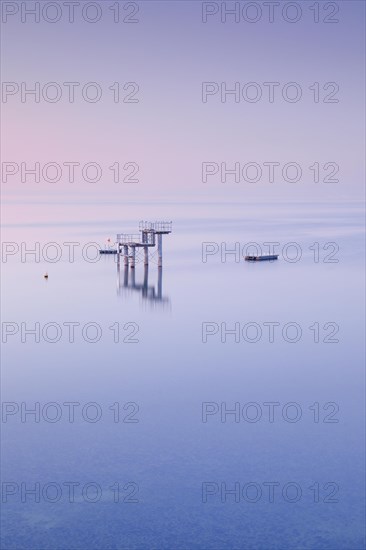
(158, 226)
(129, 238)
(148, 237)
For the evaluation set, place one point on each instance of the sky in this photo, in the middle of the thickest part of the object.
(163, 137)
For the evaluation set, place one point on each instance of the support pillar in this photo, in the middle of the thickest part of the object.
(146, 255)
(118, 273)
(133, 257)
(133, 278)
(160, 283)
(160, 250)
(146, 281)
(119, 251)
(125, 254)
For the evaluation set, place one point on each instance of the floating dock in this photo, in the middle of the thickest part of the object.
(261, 258)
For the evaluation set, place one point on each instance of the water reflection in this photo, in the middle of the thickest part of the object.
(127, 285)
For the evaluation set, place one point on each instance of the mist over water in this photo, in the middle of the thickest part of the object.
(173, 355)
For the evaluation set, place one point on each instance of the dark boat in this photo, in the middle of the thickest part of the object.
(107, 251)
(261, 258)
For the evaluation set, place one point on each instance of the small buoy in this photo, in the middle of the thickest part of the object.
(45, 275)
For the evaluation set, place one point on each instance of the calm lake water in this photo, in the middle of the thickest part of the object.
(174, 452)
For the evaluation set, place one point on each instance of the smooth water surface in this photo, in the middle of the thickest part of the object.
(161, 452)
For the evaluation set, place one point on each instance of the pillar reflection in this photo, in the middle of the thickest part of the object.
(151, 293)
